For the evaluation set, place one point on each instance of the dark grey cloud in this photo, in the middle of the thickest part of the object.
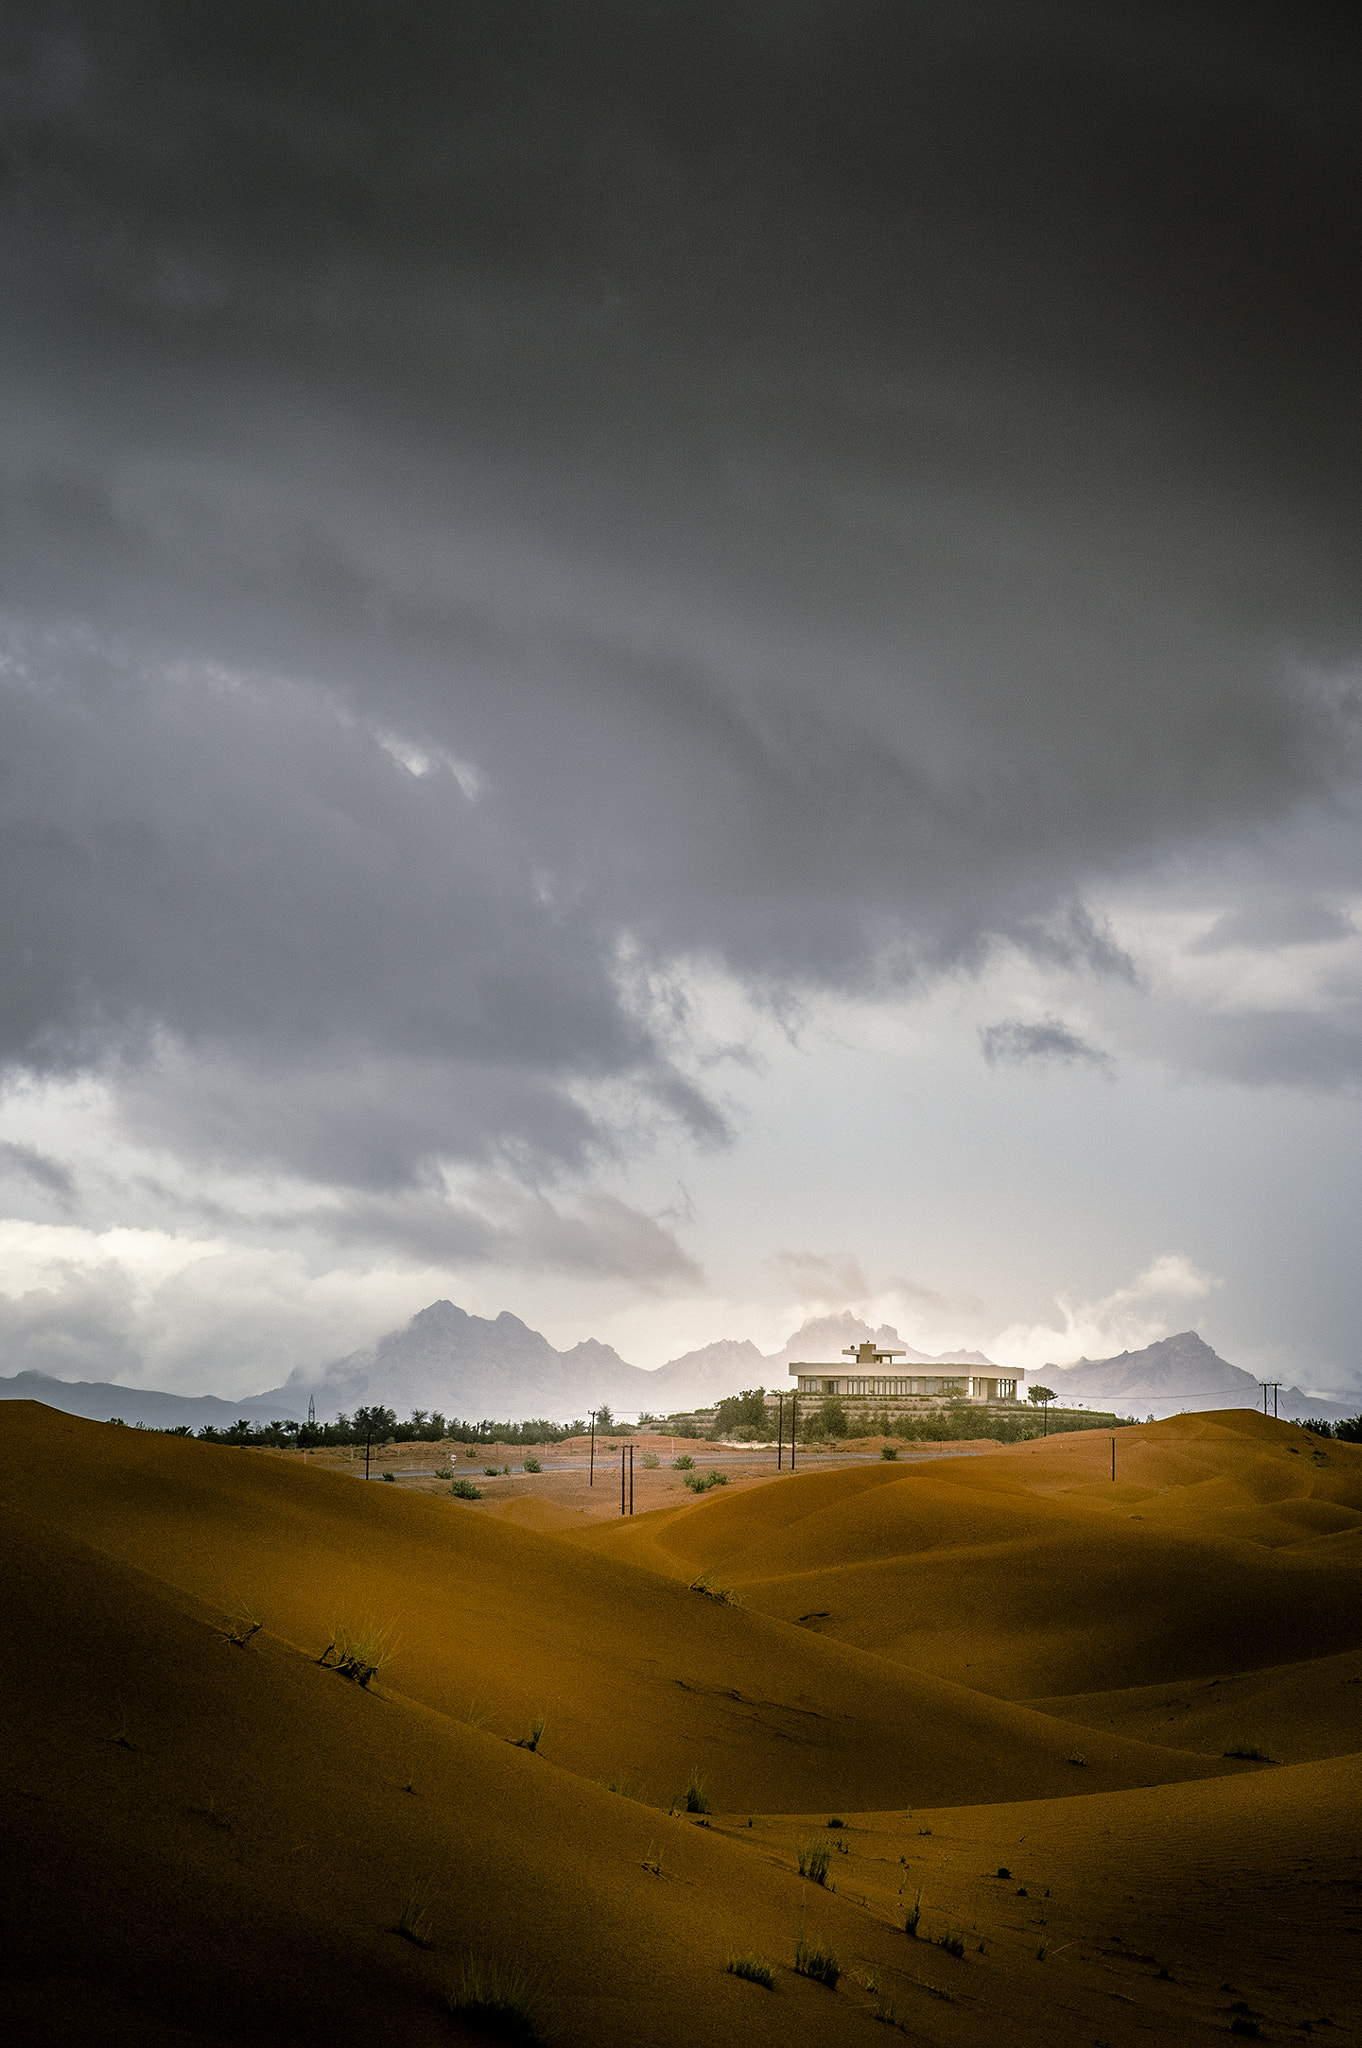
(27, 1163)
(1017, 1043)
(850, 481)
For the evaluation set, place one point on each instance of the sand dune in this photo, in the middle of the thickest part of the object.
(217, 1840)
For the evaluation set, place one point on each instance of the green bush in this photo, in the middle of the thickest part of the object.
(889, 1451)
(745, 1411)
(464, 1489)
(533, 1465)
(685, 1463)
(391, 1478)
(699, 1484)
(814, 1858)
(649, 1461)
(914, 1919)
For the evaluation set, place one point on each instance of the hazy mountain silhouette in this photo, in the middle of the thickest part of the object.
(1175, 1373)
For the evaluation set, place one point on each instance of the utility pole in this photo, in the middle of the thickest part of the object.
(794, 1423)
(631, 1476)
(780, 1429)
(1113, 1461)
(366, 1457)
(591, 1470)
(1274, 1384)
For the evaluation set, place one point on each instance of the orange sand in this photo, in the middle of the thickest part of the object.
(999, 1661)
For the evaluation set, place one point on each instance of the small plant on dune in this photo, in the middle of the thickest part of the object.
(1249, 1755)
(755, 1969)
(817, 1960)
(649, 1460)
(1248, 2028)
(536, 1734)
(417, 1907)
(697, 1794)
(814, 1858)
(836, 1823)
(357, 1654)
(952, 1944)
(685, 1463)
(498, 2000)
(464, 1489)
(1043, 1949)
(533, 1465)
(924, 1830)
(625, 1786)
(653, 1860)
(914, 1919)
(889, 1452)
(242, 1626)
(1076, 1756)
(727, 1596)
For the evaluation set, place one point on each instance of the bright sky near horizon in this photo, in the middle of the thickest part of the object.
(675, 666)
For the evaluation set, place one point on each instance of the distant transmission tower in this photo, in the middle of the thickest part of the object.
(1265, 1384)
(311, 1412)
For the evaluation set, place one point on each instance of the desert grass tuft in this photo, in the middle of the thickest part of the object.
(814, 1858)
(696, 1794)
(464, 1489)
(755, 1969)
(890, 1453)
(532, 1465)
(391, 1478)
(358, 1654)
(536, 1734)
(417, 1908)
(1246, 1753)
(914, 1919)
(953, 1944)
(817, 1960)
(727, 1596)
(242, 1626)
(498, 2000)
(649, 1461)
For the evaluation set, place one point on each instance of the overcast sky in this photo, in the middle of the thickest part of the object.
(673, 665)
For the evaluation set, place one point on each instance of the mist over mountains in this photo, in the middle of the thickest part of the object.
(1174, 1374)
(497, 1368)
(475, 1366)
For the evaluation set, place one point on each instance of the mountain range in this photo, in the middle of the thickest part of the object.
(1172, 1375)
(475, 1367)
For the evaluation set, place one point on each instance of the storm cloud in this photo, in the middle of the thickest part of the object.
(508, 511)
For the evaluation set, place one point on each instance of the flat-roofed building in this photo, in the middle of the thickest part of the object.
(872, 1378)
